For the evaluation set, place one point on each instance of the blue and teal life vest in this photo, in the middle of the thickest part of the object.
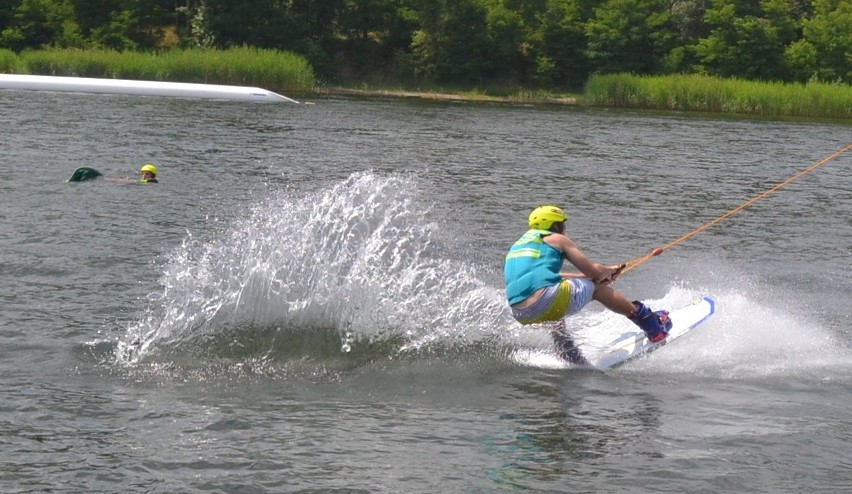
(531, 264)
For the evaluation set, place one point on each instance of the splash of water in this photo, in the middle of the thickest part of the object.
(752, 335)
(748, 337)
(362, 262)
(360, 258)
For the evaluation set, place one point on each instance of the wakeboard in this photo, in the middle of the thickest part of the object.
(633, 344)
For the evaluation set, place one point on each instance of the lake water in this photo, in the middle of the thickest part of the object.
(311, 300)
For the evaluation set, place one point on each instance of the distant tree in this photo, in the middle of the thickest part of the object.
(687, 17)
(687, 21)
(258, 23)
(561, 55)
(547, 43)
(41, 23)
(505, 31)
(825, 50)
(7, 12)
(371, 32)
(748, 39)
(319, 40)
(93, 14)
(629, 36)
(124, 24)
(451, 44)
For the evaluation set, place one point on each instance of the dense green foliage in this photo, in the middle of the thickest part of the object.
(554, 44)
(711, 94)
(240, 66)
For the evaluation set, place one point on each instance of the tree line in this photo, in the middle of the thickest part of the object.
(533, 43)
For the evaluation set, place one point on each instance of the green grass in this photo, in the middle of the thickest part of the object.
(270, 69)
(711, 94)
(8, 61)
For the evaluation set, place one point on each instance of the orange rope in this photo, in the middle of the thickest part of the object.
(659, 250)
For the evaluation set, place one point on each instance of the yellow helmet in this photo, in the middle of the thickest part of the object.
(149, 167)
(543, 217)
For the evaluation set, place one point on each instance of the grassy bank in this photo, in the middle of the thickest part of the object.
(674, 92)
(710, 94)
(287, 72)
(270, 69)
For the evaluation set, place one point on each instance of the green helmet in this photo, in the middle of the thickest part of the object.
(543, 217)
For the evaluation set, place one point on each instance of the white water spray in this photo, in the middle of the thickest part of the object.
(361, 257)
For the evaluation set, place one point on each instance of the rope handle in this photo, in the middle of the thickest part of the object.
(659, 250)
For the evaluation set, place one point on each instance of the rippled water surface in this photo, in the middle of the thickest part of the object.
(311, 300)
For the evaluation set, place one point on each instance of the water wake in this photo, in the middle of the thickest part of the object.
(748, 337)
(359, 262)
(359, 271)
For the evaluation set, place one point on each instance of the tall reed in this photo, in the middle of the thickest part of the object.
(8, 61)
(271, 69)
(711, 94)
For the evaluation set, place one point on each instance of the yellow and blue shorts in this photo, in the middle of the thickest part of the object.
(557, 301)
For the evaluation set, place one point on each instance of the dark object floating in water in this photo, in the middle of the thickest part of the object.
(84, 173)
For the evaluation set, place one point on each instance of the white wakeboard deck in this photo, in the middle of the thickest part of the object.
(633, 344)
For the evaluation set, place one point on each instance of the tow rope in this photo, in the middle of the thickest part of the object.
(629, 265)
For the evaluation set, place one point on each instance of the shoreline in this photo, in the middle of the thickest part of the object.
(751, 98)
(531, 99)
(444, 96)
